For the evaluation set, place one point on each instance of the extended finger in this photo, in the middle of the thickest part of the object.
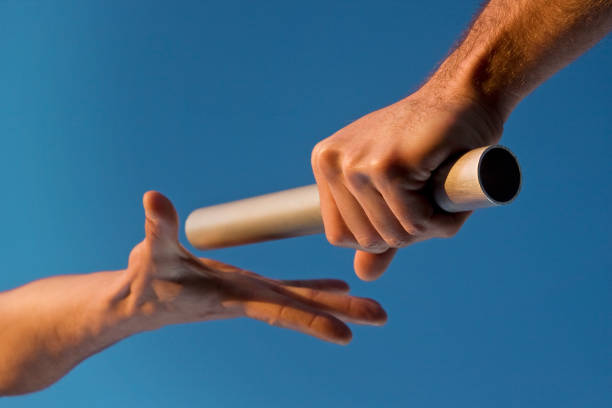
(328, 285)
(334, 285)
(314, 323)
(346, 307)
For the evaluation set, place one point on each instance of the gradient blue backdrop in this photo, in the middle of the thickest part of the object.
(213, 101)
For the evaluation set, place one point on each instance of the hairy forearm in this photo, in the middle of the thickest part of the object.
(49, 326)
(515, 45)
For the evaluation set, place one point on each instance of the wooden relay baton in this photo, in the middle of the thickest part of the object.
(484, 177)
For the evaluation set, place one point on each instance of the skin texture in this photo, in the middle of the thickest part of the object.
(373, 174)
(372, 178)
(49, 326)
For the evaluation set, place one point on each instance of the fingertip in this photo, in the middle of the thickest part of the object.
(362, 267)
(369, 267)
(381, 317)
(157, 203)
(342, 286)
(369, 311)
(344, 342)
(344, 336)
(148, 197)
(376, 314)
(331, 329)
(367, 275)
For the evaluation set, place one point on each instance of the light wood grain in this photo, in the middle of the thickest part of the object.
(483, 177)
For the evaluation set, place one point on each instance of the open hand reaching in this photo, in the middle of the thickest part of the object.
(52, 324)
(170, 285)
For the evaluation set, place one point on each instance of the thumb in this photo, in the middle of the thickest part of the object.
(369, 267)
(161, 219)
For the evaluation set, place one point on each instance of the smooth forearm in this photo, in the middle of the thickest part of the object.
(49, 326)
(515, 45)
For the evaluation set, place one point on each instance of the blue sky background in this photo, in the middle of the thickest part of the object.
(214, 101)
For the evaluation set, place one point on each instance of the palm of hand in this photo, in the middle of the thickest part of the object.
(172, 286)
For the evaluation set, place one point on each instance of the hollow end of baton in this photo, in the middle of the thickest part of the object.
(485, 177)
(500, 175)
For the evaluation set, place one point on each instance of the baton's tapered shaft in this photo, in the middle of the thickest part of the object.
(483, 177)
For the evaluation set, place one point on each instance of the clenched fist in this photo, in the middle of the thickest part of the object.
(373, 174)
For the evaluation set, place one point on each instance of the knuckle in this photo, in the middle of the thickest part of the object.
(356, 179)
(328, 169)
(379, 167)
(324, 152)
(363, 172)
(372, 244)
(137, 253)
(317, 149)
(397, 241)
(325, 159)
(416, 228)
(338, 238)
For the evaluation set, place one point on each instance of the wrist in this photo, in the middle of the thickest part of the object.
(482, 69)
(463, 86)
(459, 95)
(127, 306)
